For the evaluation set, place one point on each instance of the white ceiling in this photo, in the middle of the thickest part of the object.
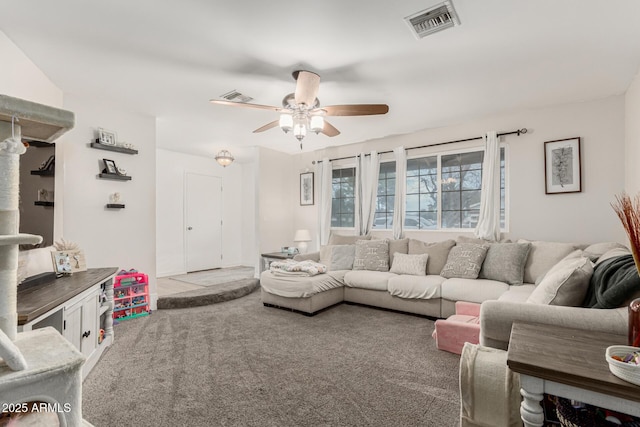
(168, 58)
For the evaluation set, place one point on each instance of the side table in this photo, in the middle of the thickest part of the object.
(568, 363)
(268, 258)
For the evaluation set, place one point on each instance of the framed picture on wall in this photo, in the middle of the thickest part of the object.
(562, 173)
(306, 189)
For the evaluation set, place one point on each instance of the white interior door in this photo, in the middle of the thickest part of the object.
(203, 222)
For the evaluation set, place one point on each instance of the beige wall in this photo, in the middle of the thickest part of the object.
(632, 137)
(580, 217)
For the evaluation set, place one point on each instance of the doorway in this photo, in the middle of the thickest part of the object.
(203, 215)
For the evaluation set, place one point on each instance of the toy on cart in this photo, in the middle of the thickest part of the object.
(131, 295)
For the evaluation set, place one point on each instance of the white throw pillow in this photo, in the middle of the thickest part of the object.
(415, 265)
(565, 284)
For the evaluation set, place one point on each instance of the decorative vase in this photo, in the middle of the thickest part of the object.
(634, 323)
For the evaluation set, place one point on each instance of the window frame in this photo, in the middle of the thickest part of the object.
(355, 195)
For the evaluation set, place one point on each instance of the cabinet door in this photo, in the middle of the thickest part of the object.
(89, 334)
(73, 324)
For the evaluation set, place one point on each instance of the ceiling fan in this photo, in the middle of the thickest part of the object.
(301, 110)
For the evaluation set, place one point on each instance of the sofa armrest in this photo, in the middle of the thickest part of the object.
(311, 256)
(497, 317)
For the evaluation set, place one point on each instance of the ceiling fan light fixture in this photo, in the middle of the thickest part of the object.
(224, 158)
(316, 124)
(286, 122)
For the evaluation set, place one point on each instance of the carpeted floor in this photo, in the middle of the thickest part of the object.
(238, 363)
(216, 277)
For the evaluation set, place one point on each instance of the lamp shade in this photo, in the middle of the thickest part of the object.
(224, 158)
(302, 236)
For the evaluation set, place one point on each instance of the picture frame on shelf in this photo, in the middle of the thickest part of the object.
(306, 189)
(68, 262)
(562, 166)
(110, 167)
(107, 137)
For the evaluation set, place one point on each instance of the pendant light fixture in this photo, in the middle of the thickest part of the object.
(224, 158)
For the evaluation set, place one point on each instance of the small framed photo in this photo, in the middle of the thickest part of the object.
(61, 262)
(562, 170)
(110, 166)
(107, 137)
(306, 189)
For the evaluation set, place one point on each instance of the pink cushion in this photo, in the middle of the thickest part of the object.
(452, 333)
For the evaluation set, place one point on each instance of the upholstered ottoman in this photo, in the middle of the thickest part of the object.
(464, 326)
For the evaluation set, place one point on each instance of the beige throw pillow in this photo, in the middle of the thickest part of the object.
(565, 284)
(415, 265)
(438, 253)
(372, 255)
(543, 256)
(464, 261)
(400, 246)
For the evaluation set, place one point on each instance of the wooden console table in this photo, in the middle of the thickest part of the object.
(568, 363)
(77, 306)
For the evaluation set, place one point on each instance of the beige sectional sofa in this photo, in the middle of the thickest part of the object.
(433, 293)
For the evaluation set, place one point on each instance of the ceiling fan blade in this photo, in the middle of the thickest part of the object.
(329, 129)
(242, 104)
(267, 126)
(307, 88)
(356, 110)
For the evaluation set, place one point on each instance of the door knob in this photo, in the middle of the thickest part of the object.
(189, 228)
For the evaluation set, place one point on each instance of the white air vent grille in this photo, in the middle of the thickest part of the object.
(436, 18)
(236, 96)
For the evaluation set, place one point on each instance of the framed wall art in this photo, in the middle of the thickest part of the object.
(562, 173)
(110, 166)
(107, 137)
(306, 189)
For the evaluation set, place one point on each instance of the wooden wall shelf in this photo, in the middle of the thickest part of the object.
(115, 206)
(113, 148)
(43, 203)
(114, 176)
(44, 172)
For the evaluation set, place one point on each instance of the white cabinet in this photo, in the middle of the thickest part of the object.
(80, 307)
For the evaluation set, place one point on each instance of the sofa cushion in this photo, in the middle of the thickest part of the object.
(517, 293)
(339, 239)
(438, 253)
(612, 253)
(472, 290)
(372, 255)
(417, 287)
(596, 250)
(410, 264)
(376, 280)
(543, 256)
(300, 286)
(464, 261)
(565, 284)
(398, 245)
(338, 257)
(505, 262)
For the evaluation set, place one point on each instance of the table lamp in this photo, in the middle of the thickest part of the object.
(302, 237)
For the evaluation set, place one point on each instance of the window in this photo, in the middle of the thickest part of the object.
(454, 204)
(343, 197)
(386, 196)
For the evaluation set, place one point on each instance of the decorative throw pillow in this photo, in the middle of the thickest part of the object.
(337, 257)
(416, 265)
(596, 250)
(372, 255)
(400, 246)
(543, 256)
(438, 253)
(338, 239)
(464, 261)
(565, 284)
(505, 262)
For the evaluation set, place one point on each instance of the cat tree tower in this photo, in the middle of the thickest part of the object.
(39, 365)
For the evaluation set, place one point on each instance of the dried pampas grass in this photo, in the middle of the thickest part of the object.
(629, 213)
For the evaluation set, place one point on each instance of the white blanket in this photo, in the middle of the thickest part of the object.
(297, 268)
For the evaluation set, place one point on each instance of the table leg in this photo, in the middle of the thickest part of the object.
(532, 392)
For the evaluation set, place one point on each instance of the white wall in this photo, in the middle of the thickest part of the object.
(123, 238)
(170, 227)
(580, 217)
(632, 137)
(250, 203)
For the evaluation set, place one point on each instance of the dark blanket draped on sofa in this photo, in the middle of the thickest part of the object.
(614, 282)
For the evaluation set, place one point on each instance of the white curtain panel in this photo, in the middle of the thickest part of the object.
(368, 170)
(489, 219)
(401, 185)
(324, 173)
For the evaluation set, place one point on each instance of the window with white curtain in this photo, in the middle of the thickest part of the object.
(343, 197)
(455, 204)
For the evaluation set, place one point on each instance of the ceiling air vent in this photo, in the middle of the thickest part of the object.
(236, 96)
(436, 18)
